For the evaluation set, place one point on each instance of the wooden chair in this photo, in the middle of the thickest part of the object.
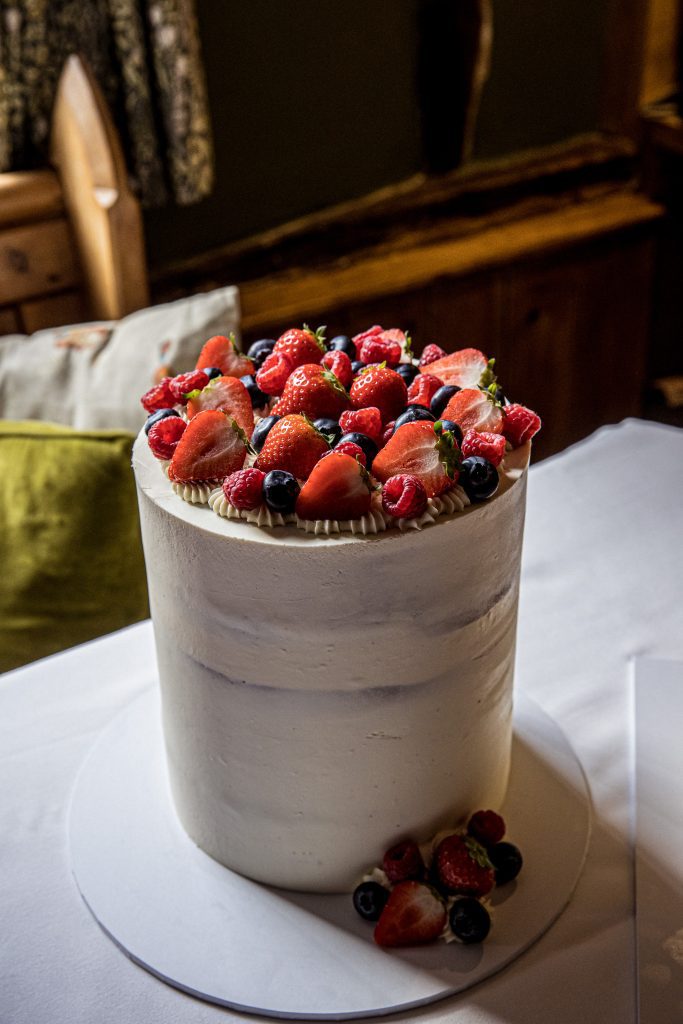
(71, 237)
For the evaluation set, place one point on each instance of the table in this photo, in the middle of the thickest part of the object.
(602, 571)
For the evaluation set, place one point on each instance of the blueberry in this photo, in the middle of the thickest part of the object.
(364, 442)
(369, 899)
(442, 397)
(408, 372)
(469, 920)
(454, 428)
(329, 427)
(160, 414)
(211, 371)
(507, 861)
(499, 395)
(261, 431)
(343, 344)
(478, 477)
(280, 491)
(259, 351)
(412, 413)
(258, 399)
(357, 365)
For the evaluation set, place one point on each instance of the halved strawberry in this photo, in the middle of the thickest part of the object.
(418, 450)
(473, 409)
(302, 346)
(212, 446)
(228, 395)
(381, 387)
(338, 488)
(294, 445)
(414, 914)
(313, 390)
(463, 368)
(222, 351)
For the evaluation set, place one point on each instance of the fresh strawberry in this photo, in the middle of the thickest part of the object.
(414, 914)
(430, 354)
(462, 866)
(403, 861)
(473, 409)
(313, 390)
(244, 488)
(487, 827)
(364, 421)
(380, 349)
(338, 488)
(354, 450)
(404, 496)
(181, 386)
(423, 389)
(273, 373)
(519, 424)
(159, 397)
(212, 446)
(294, 445)
(463, 368)
(302, 346)
(489, 446)
(371, 332)
(228, 395)
(388, 432)
(340, 365)
(381, 387)
(417, 450)
(164, 435)
(223, 352)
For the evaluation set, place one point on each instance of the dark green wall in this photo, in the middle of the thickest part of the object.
(316, 101)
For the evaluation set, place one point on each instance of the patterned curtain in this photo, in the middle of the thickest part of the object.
(146, 57)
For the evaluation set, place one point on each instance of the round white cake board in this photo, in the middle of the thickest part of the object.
(219, 936)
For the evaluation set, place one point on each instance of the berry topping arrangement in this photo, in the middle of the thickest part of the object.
(354, 434)
(439, 890)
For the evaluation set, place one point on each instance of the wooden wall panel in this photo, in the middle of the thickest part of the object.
(37, 259)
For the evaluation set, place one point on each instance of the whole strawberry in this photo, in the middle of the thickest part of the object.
(244, 488)
(314, 391)
(489, 446)
(338, 488)
(294, 445)
(419, 450)
(462, 866)
(340, 365)
(380, 387)
(519, 424)
(414, 914)
(301, 346)
(272, 375)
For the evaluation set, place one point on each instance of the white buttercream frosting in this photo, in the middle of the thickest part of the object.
(326, 696)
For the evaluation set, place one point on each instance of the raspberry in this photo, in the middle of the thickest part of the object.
(423, 389)
(489, 446)
(403, 861)
(404, 496)
(364, 421)
(519, 424)
(371, 332)
(430, 354)
(349, 448)
(340, 365)
(486, 827)
(380, 350)
(273, 374)
(244, 488)
(388, 431)
(158, 397)
(186, 382)
(163, 437)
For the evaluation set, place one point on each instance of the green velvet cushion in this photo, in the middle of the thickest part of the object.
(72, 563)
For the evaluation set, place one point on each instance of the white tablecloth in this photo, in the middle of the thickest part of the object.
(602, 572)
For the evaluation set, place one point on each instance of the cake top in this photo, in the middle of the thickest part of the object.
(356, 434)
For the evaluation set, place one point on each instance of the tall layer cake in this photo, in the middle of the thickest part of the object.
(327, 693)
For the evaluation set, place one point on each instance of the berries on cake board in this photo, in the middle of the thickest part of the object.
(382, 388)
(488, 446)
(244, 488)
(469, 919)
(370, 899)
(228, 395)
(403, 861)
(272, 375)
(212, 446)
(416, 448)
(519, 424)
(293, 444)
(301, 345)
(404, 496)
(414, 914)
(507, 862)
(464, 367)
(314, 391)
(164, 435)
(337, 488)
(473, 409)
(487, 827)
(222, 351)
(462, 866)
